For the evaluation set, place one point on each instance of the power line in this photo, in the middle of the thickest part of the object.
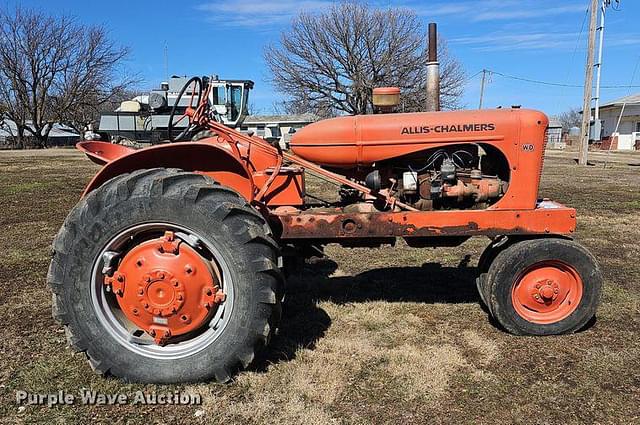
(475, 75)
(549, 83)
(575, 48)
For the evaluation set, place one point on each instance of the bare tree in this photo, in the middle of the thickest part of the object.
(329, 63)
(570, 118)
(53, 69)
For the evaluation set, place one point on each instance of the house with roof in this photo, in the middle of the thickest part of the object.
(554, 135)
(59, 135)
(278, 128)
(620, 120)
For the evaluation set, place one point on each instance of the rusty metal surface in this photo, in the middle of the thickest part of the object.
(560, 220)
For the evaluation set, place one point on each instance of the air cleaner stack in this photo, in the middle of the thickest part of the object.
(433, 71)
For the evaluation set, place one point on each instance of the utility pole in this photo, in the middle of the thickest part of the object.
(596, 117)
(484, 74)
(588, 84)
(598, 64)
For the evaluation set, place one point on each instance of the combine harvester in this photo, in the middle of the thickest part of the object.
(145, 118)
(170, 267)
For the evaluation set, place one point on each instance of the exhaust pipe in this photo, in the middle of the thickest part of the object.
(433, 71)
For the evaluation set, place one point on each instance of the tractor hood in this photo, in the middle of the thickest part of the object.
(347, 142)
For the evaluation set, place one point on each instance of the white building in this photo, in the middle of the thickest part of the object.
(276, 127)
(59, 135)
(627, 136)
(554, 135)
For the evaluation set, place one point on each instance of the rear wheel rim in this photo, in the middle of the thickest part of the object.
(125, 332)
(547, 292)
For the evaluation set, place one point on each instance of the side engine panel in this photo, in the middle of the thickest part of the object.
(462, 176)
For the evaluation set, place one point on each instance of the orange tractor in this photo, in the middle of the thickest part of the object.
(171, 267)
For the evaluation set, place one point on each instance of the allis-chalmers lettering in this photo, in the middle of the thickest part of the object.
(448, 128)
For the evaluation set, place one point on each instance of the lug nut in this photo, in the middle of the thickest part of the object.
(220, 297)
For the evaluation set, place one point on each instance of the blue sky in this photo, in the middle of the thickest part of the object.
(534, 39)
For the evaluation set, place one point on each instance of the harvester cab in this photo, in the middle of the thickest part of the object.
(230, 98)
(146, 118)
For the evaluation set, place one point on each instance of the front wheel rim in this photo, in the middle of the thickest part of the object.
(547, 292)
(125, 332)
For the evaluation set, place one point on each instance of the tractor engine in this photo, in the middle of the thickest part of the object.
(447, 178)
(428, 160)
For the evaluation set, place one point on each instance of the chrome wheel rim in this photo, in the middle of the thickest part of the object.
(124, 331)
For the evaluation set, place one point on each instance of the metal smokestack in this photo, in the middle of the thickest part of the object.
(433, 71)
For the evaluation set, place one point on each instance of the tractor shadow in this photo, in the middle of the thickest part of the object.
(429, 283)
(304, 323)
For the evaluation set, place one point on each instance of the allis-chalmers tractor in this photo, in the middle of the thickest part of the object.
(171, 267)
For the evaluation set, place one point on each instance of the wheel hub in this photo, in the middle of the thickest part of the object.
(547, 292)
(166, 288)
(163, 294)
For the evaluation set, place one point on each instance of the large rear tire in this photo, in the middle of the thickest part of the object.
(544, 286)
(226, 231)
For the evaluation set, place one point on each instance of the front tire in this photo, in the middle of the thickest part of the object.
(484, 262)
(234, 238)
(546, 286)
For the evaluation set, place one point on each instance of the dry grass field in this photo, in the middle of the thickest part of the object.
(390, 335)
